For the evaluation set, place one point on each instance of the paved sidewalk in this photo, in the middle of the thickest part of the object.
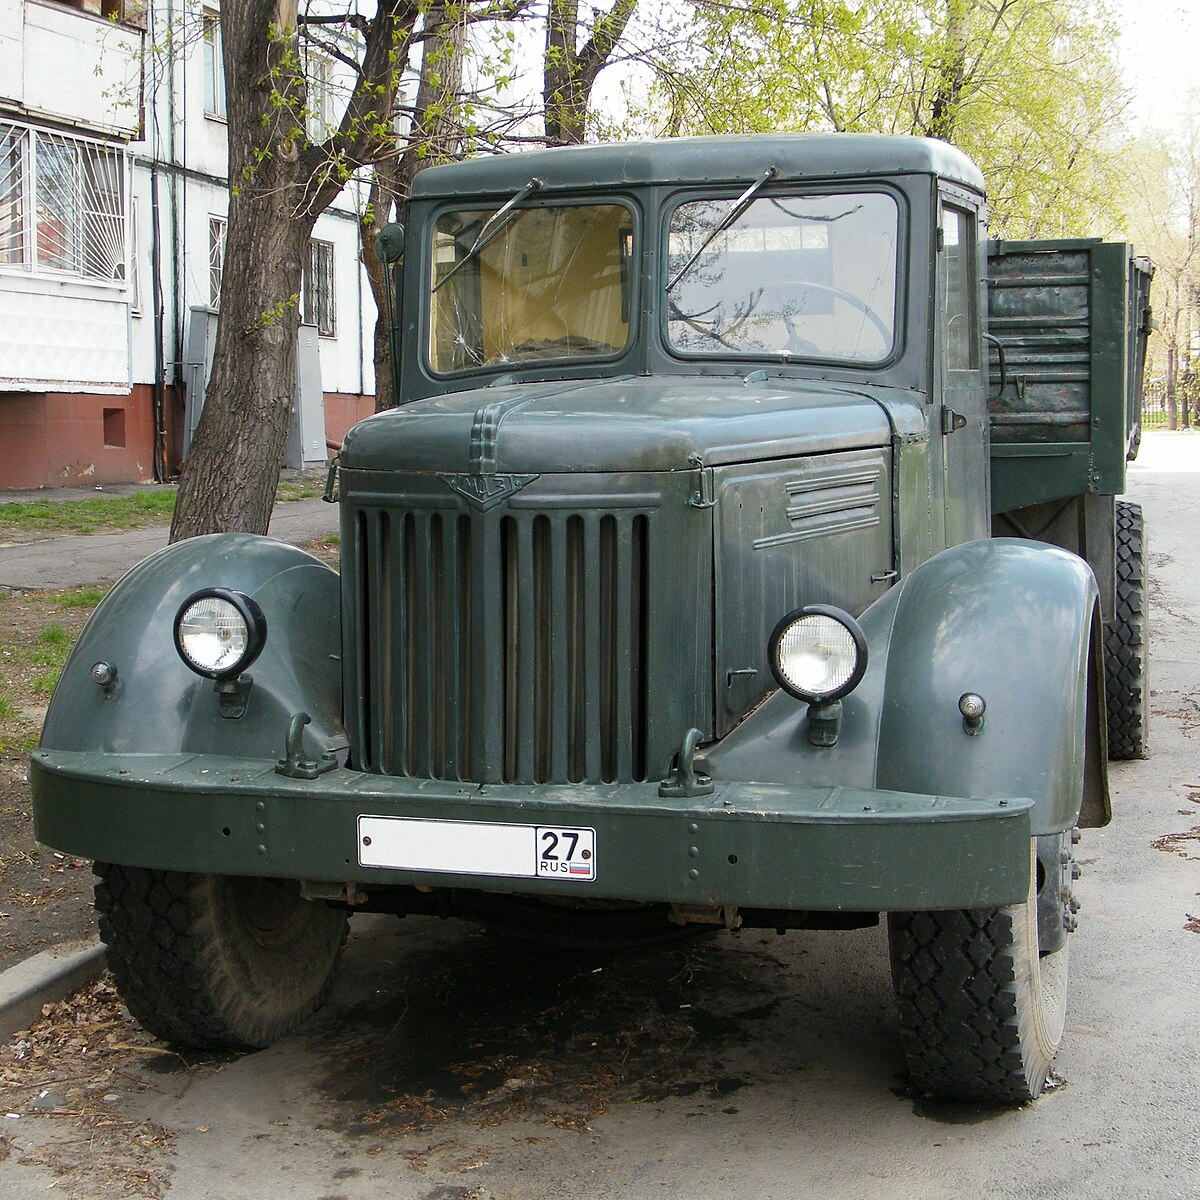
(80, 560)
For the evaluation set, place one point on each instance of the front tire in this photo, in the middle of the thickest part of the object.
(216, 962)
(982, 998)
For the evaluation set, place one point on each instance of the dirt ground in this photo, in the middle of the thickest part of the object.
(45, 897)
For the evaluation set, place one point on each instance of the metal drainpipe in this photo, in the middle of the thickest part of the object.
(176, 265)
(160, 395)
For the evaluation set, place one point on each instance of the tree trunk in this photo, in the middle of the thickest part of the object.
(232, 470)
(279, 185)
(951, 73)
(1172, 375)
(568, 76)
(435, 137)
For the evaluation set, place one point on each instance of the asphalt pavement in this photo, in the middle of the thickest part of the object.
(79, 561)
(450, 1065)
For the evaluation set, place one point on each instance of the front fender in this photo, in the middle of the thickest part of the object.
(1012, 620)
(158, 704)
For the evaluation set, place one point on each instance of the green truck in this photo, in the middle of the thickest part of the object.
(744, 553)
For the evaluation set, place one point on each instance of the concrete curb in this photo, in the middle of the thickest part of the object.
(45, 978)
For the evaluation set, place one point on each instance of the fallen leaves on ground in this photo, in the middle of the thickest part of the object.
(63, 1080)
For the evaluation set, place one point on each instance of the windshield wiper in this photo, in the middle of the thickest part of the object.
(499, 221)
(742, 203)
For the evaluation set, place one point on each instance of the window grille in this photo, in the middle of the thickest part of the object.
(63, 205)
(319, 308)
(216, 260)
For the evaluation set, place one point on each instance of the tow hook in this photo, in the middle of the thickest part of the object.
(295, 765)
(684, 780)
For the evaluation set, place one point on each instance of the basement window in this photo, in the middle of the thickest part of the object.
(114, 428)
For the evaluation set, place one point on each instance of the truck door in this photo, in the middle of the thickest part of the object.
(963, 416)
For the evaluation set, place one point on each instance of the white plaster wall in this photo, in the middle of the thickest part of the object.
(62, 337)
(12, 36)
(199, 145)
(81, 69)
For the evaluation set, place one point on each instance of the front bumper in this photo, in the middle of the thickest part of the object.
(747, 844)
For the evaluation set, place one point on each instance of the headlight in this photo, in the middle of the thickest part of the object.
(219, 632)
(818, 653)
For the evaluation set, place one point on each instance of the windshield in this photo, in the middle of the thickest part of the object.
(553, 283)
(811, 276)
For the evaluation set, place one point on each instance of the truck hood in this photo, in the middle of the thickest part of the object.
(623, 424)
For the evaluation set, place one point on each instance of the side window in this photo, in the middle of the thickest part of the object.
(960, 295)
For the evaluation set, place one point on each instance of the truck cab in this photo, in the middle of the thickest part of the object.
(668, 599)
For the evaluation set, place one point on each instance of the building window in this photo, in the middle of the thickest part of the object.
(214, 67)
(63, 205)
(135, 268)
(13, 172)
(319, 75)
(216, 260)
(317, 289)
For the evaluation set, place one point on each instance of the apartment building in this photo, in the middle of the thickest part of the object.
(113, 202)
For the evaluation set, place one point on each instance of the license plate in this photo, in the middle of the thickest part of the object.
(474, 848)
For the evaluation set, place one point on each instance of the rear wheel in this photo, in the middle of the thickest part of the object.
(214, 961)
(1127, 641)
(982, 992)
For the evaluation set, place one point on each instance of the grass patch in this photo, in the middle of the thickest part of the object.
(8, 708)
(88, 516)
(49, 651)
(22, 743)
(299, 489)
(46, 681)
(80, 598)
(105, 513)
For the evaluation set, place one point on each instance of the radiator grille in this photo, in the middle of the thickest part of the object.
(503, 647)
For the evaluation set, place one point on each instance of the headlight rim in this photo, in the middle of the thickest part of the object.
(843, 618)
(250, 612)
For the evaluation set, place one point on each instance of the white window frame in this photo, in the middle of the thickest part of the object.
(215, 107)
(319, 81)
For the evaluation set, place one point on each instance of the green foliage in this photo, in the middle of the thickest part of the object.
(8, 707)
(1162, 191)
(1028, 88)
(273, 315)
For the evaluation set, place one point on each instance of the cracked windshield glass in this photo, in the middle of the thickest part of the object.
(554, 283)
(795, 276)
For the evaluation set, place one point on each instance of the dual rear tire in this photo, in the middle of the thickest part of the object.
(1127, 641)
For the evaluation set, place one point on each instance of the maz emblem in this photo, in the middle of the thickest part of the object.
(486, 491)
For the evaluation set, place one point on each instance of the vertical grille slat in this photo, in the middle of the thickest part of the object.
(560, 627)
(402, 668)
(422, 663)
(524, 626)
(368, 601)
(592, 647)
(503, 646)
(450, 639)
(622, 600)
